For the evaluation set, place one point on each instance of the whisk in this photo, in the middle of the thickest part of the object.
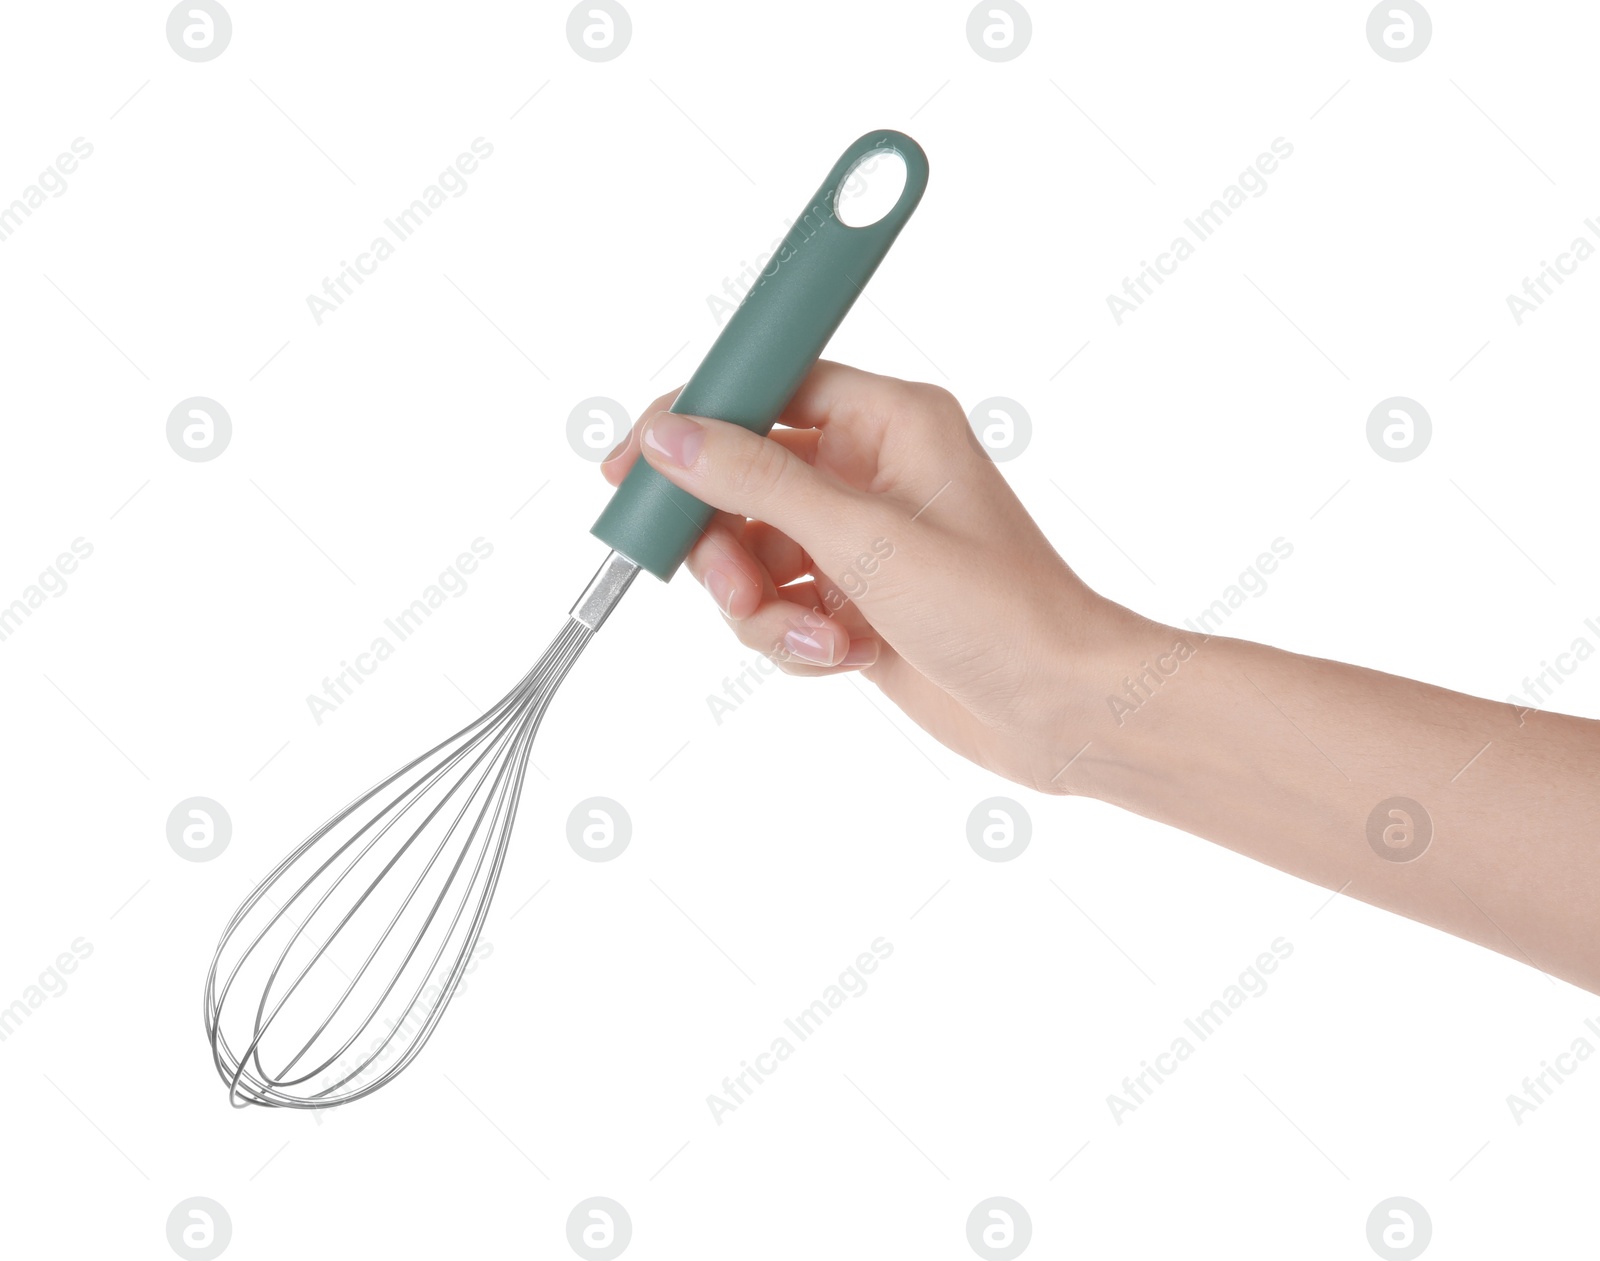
(338, 966)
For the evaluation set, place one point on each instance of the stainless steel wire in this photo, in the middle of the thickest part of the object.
(335, 970)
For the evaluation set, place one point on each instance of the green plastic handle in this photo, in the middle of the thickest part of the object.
(767, 347)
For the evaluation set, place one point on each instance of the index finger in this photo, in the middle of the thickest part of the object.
(837, 394)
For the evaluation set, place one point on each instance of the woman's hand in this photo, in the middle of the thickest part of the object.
(874, 534)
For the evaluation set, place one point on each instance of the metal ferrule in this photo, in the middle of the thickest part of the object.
(601, 595)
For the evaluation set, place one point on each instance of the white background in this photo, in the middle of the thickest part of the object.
(371, 449)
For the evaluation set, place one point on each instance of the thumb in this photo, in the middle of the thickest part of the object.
(738, 471)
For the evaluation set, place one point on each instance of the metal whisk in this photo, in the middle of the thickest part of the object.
(362, 934)
(334, 972)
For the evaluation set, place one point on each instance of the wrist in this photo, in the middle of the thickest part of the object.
(1113, 680)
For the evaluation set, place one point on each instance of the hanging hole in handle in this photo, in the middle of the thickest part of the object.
(870, 188)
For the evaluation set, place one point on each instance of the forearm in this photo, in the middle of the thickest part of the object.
(1288, 759)
(960, 610)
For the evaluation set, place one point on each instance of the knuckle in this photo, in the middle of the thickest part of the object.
(933, 405)
(757, 468)
(902, 395)
(925, 396)
(949, 417)
(757, 637)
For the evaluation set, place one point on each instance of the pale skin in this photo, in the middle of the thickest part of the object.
(870, 533)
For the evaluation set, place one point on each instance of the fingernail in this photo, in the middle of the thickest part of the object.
(863, 652)
(616, 451)
(676, 439)
(722, 589)
(819, 649)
